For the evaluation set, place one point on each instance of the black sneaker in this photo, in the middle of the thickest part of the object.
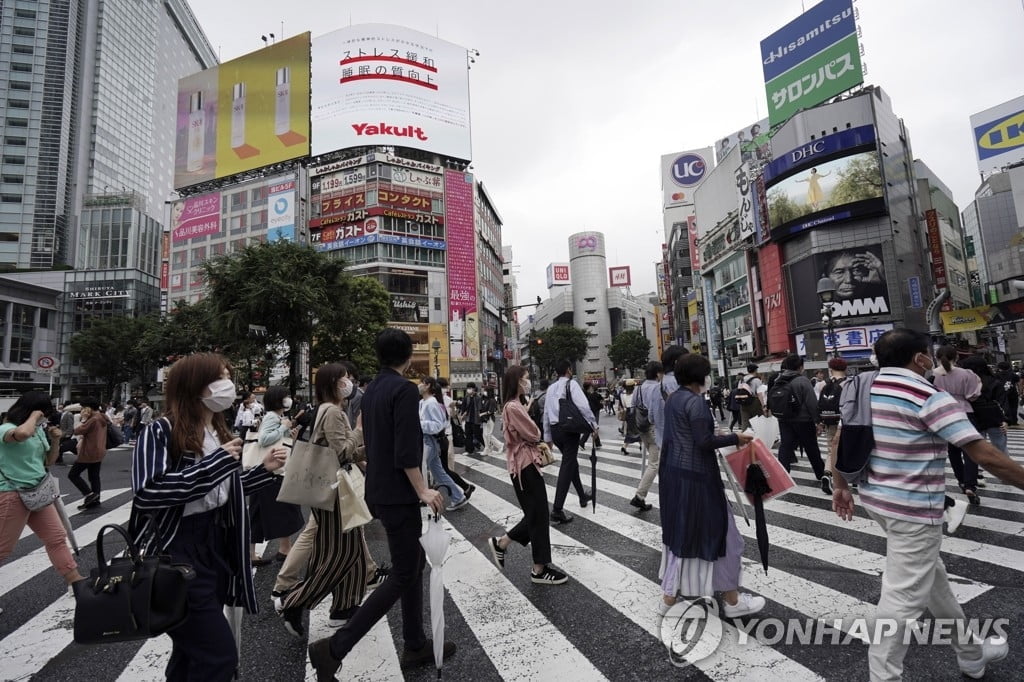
(549, 576)
(379, 576)
(826, 484)
(425, 654)
(561, 516)
(640, 504)
(323, 661)
(90, 501)
(340, 617)
(585, 499)
(497, 553)
(293, 621)
(468, 492)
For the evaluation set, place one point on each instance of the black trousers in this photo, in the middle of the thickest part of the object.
(442, 441)
(805, 435)
(569, 468)
(1012, 402)
(964, 468)
(474, 437)
(735, 419)
(405, 581)
(533, 528)
(203, 646)
(75, 476)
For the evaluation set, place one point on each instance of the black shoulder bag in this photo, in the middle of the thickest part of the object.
(134, 597)
(570, 419)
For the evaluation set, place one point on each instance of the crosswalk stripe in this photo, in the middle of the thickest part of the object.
(635, 597)
(26, 650)
(149, 663)
(372, 659)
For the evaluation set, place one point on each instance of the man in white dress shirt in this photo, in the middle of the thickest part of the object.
(568, 443)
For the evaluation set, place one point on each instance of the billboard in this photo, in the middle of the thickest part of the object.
(999, 135)
(682, 173)
(967, 320)
(381, 85)
(848, 339)
(859, 275)
(244, 114)
(195, 217)
(931, 218)
(281, 211)
(463, 319)
(619, 276)
(811, 59)
(754, 141)
(558, 274)
(776, 315)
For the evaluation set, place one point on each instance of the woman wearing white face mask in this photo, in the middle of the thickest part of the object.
(337, 560)
(522, 438)
(269, 518)
(190, 503)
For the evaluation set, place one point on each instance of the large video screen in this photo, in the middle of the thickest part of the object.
(834, 190)
(860, 279)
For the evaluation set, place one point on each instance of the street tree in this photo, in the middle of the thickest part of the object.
(347, 331)
(109, 349)
(630, 350)
(560, 342)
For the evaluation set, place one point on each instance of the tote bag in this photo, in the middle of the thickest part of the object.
(253, 453)
(352, 498)
(312, 472)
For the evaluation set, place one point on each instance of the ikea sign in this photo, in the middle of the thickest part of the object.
(999, 135)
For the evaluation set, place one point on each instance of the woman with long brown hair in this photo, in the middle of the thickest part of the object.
(337, 560)
(190, 503)
(522, 438)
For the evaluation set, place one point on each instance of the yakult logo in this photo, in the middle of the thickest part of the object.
(387, 129)
(688, 170)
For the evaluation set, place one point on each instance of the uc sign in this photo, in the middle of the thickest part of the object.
(999, 136)
(688, 170)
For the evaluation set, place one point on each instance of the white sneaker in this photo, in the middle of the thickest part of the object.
(746, 605)
(992, 649)
(457, 505)
(954, 516)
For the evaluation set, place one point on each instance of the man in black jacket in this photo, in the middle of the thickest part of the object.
(798, 422)
(1010, 381)
(394, 490)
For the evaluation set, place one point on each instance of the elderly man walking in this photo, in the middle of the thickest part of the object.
(905, 493)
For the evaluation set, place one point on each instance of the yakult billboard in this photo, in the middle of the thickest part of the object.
(682, 173)
(376, 84)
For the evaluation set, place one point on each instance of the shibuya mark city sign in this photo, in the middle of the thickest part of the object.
(814, 57)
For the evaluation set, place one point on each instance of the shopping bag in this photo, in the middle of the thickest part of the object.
(756, 452)
(312, 473)
(253, 453)
(351, 498)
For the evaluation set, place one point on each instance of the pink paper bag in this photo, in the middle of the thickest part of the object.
(779, 479)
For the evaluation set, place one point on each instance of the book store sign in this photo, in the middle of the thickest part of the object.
(98, 290)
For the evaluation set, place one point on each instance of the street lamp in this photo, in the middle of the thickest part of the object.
(436, 346)
(723, 301)
(827, 292)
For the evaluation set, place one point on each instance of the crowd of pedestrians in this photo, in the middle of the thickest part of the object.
(195, 500)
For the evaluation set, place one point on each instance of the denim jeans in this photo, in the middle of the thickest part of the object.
(996, 436)
(437, 472)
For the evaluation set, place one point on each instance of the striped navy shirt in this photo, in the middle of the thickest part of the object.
(163, 488)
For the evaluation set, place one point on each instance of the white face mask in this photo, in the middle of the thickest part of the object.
(525, 386)
(346, 388)
(222, 395)
(287, 403)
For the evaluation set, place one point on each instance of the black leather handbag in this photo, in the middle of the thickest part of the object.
(134, 597)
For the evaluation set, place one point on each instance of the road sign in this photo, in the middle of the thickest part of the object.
(47, 363)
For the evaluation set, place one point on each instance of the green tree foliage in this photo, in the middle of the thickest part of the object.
(112, 350)
(558, 343)
(861, 179)
(630, 350)
(782, 209)
(347, 330)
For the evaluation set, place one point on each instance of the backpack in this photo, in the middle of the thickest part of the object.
(857, 436)
(988, 413)
(744, 394)
(782, 400)
(828, 402)
(536, 411)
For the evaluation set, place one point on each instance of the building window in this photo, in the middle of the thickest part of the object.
(23, 68)
(22, 49)
(238, 223)
(17, 122)
(24, 31)
(19, 85)
(25, 13)
(15, 141)
(44, 319)
(22, 333)
(14, 179)
(238, 201)
(10, 198)
(9, 237)
(17, 103)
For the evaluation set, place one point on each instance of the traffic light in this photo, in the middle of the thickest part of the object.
(539, 342)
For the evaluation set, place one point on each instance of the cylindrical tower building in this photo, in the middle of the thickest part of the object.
(589, 274)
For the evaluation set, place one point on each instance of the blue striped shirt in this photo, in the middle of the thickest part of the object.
(163, 488)
(912, 422)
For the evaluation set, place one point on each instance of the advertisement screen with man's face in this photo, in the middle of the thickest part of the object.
(860, 285)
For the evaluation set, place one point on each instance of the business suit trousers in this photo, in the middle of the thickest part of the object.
(402, 523)
(804, 434)
(569, 468)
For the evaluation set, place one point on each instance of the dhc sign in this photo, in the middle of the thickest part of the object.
(809, 153)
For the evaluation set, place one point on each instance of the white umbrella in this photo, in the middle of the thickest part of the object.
(435, 541)
(732, 481)
(233, 614)
(58, 504)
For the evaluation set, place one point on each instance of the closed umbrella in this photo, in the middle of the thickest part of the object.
(435, 541)
(593, 475)
(58, 504)
(733, 485)
(757, 486)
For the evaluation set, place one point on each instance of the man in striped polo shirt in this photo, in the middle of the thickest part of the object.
(904, 493)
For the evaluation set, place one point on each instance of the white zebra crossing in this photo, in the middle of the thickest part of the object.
(509, 636)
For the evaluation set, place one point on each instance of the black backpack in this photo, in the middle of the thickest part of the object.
(988, 414)
(536, 411)
(782, 399)
(857, 436)
(828, 402)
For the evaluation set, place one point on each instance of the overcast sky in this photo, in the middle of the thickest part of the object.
(574, 102)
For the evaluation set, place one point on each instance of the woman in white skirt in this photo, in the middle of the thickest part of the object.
(702, 549)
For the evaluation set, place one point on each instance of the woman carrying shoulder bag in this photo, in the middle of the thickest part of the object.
(91, 452)
(522, 438)
(337, 561)
(190, 504)
(26, 452)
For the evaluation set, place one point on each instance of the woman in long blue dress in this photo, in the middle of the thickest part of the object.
(702, 549)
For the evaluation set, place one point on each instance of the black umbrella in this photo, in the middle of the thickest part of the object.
(756, 486)
(593, 474)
